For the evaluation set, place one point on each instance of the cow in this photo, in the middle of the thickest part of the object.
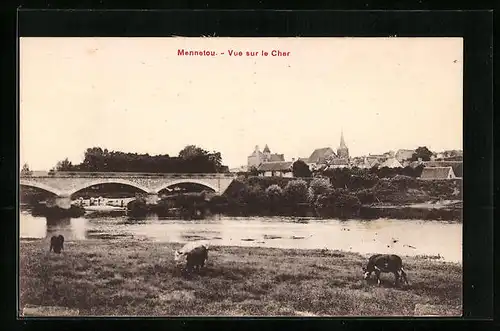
(195, 255)
(56, 243)
(388, 263)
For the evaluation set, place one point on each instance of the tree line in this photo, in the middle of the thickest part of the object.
(191, 159)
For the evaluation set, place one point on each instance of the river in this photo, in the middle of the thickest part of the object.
(403, 237)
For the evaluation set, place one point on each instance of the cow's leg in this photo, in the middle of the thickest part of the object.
(403, 274)
(377, 273)
(396, 278)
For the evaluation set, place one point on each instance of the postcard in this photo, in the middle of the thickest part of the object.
(211, 176)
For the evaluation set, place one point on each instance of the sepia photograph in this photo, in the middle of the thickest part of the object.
(214, 176)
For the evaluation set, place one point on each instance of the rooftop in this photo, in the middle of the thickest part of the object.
(436, 172)
(275, 166)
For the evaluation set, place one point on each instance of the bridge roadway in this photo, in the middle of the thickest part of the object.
(64, 184)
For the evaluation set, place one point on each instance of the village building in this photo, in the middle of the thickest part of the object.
(279, 168)
(404, 154)
(338, 163)
(258, 157)
(457, 166)
(391, 163)
(325, 157)
(437, 173)
(374, 160)
(319, 155)
(359, 162)
(239, 169)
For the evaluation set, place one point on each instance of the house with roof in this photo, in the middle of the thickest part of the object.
(239, 169)
(391, 163)
(429, 173)
(276, 168)
(404, 154)
(257, 157)
(319, 155)
(375, 160)
(457, 166)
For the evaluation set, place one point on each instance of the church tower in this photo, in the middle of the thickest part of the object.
(342, 151)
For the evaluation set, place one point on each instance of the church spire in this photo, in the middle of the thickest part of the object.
(342, 151)
(342, 141)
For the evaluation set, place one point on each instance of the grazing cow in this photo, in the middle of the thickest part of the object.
(195, 255)
(388, 263)
(56, 243)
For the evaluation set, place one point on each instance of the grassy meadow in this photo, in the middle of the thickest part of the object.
(140, 278)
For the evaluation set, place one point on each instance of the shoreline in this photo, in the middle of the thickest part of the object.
(258, 246)
(134, 277)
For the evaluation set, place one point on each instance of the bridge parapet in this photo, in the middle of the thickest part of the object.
(88, 174)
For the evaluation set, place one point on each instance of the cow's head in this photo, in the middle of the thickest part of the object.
(366, 273)
(179, 256)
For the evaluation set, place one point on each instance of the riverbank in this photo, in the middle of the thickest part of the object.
(104, 208)
(133, 277)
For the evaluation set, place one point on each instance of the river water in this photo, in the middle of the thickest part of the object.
(403, 237)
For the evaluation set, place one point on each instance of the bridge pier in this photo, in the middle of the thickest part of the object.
(152, 198)
(62, 201)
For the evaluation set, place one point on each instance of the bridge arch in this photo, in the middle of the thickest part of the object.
(108, 181)
(186, 181)
(40, 186)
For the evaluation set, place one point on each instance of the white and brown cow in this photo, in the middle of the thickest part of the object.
(195, 254)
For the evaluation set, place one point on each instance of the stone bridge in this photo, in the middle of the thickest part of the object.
(64, 184)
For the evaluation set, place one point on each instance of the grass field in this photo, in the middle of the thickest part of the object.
(139, 278)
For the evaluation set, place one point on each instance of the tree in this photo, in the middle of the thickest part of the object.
(422, 153)
(25, 171)
(320, 186)
(301, 169)
(253, 171)
(274, 193)
(64, 165)
(296, 192)
(94, 159)
(197, 159)
(191, 152)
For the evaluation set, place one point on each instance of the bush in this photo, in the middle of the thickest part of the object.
(366, 196)
(320, 186)
(362, 181)
(296, 192)
(404, 182)
(274, 192)
(337, 203)
(274, 195)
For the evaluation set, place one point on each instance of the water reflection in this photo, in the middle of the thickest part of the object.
(405, 237)
(40, 227)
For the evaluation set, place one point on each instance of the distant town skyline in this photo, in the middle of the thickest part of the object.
(137, 95)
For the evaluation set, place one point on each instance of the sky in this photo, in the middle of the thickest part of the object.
(138, 95)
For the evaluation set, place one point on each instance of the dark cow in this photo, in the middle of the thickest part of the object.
(56, 243)
(388, 263)
(195, 255)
